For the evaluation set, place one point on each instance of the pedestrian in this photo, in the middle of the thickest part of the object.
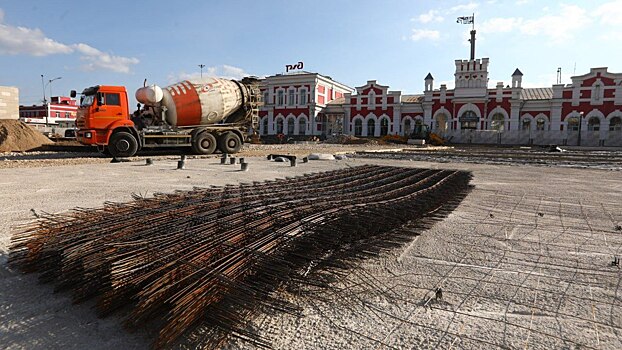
(439, 294)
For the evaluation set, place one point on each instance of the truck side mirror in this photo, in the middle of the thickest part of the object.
(73, 94)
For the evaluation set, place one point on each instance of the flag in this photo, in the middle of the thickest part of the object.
(465, 20)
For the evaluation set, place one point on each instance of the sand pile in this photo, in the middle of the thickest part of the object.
(17, 136)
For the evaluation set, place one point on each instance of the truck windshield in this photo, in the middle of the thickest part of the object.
(87, 100)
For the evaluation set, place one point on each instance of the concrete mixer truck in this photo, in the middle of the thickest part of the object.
(203, 115)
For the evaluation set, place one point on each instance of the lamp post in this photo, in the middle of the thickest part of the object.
(580, 122)
(50, 83)
(43, 87)
(201, 66)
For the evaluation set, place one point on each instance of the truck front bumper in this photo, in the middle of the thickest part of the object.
(91, 137)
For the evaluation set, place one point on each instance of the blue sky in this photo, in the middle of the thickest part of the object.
(395, 42)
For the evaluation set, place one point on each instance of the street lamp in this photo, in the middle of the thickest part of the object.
(50, 83)
(43, 87)
(201, 66)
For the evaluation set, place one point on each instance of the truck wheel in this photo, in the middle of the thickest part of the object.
(204, 143)
(122, 144)
(229, 143)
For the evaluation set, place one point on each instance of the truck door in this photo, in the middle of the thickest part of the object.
(107, 109)
(111, 104)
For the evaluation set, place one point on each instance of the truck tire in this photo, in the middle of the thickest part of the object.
(203, 143)
(229, 143)
(122, 144)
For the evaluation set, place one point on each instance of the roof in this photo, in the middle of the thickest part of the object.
(537, 94)
(517, 72)
(412, 98)
(429, 76)
(338, 101)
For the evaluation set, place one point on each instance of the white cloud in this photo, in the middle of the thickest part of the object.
(420, 34)
(96, 59)
(609, 13)
(223, 71)
(27, 41)
(470, 7)
(522, 2)
(430, 16)
(21, 40)
(558, 28)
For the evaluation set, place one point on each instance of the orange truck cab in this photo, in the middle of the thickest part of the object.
(104, 114)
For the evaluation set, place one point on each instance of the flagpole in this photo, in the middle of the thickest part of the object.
(473, 22)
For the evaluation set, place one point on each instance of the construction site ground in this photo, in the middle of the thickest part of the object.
(525, 261)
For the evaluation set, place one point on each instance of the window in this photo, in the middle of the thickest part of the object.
(468, 120)
(302, 126)
(593, 124)
(407, 127)
(526, 125)
(358, 127)
(279, 126)
(265, 97)
(290, 126)
(615, 124)
(384, 127)
(441, 124)
(280, 98)
(292, 97)
(113, 99)
(371, 127)
(303, 97)
(497, 122)
(57, 114)
(540, 123)
(67, 115)
(597, 92)
(265, 125)
(573, 124)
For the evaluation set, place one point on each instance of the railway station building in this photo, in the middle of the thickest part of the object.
(587, 112)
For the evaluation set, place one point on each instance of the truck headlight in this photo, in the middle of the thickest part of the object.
(88, 135)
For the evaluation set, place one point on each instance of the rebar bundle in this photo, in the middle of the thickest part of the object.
(215, 257)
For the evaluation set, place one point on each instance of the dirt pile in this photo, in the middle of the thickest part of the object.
(17, 136)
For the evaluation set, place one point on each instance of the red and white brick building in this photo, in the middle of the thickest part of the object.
(60, 112)
(293, 103)
(587, 112)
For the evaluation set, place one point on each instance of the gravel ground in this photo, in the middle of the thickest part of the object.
(46, 159)
(524, 261)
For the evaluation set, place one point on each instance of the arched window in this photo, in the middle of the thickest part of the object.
(593, 124)
(573, 124)
(384, 126)
(441, 123)
(358, 127)
(540, 123)
(468, 120)
(407, 127)
(290, 126)
(526, 125)
(615, 124)
(371, 127)
(265, 126)
(279, 126)
(302, 126)
(497, 122)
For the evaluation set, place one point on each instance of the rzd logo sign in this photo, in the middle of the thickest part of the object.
(289, 67)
